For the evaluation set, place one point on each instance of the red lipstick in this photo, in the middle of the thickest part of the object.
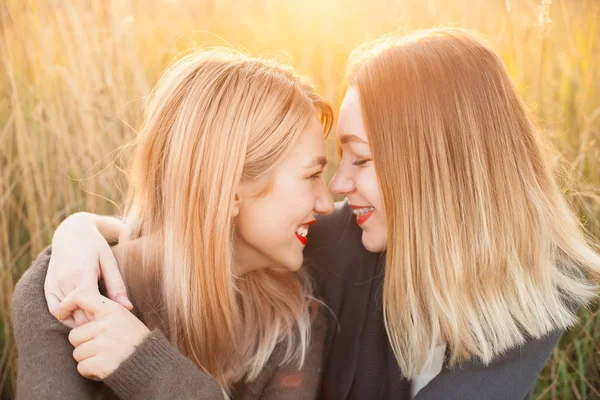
(361, 219)
(302, 239)
(304, 230)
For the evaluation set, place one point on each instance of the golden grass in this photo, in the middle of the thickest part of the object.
(73, 76)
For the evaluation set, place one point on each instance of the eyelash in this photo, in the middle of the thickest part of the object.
(360, 163)
(316, 176)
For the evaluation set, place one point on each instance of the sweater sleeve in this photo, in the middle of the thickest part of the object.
(511, 376)
(45, 366)
(156, 370)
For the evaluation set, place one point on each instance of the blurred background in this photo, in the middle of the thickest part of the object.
(74, 76)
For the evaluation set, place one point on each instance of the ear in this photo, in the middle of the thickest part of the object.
(237, 202)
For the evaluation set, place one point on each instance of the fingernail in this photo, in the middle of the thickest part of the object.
(124, 300)
(59, 317)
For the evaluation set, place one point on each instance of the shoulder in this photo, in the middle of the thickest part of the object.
(28, 297)
(31, 321)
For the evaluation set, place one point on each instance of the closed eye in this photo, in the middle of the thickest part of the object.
(359, 163)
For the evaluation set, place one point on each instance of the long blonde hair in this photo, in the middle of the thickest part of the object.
(215, 119)
(483, 251)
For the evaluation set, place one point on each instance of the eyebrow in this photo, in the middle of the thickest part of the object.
(351, 138)
(318, 160)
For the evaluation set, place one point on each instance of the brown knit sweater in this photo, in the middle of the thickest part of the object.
(156, 370)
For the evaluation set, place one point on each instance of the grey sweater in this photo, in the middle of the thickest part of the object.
(156, 370)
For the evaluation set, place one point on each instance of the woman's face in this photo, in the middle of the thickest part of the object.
(356, 178)
(272, 229)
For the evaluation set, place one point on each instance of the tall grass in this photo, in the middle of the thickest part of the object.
(74, 76)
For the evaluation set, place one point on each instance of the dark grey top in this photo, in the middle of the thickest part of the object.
(359, 363)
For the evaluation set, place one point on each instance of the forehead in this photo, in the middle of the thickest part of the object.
(350, 121)
(310, 142)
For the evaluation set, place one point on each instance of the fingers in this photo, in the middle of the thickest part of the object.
(53, 301)
(80, 317)
(115, 286)
(88, 367)
(85, 350)
(89, 300)
(56, 286)
(86, 332)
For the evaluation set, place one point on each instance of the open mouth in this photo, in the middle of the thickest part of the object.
(362, 213)
(302, 232)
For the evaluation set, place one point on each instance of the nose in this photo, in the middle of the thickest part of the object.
(323, 203)
(341, 183)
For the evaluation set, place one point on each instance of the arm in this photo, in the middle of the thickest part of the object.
(81, 256)
(511, 376)
(45, 367)
(156, 370)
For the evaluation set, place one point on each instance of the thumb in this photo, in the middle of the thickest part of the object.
(89, 300)
(113, 280)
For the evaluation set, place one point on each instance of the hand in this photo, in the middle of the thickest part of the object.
(80, 257)
(109, 339)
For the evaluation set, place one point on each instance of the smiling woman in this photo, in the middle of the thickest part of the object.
(226, 172)
(357, 175)
(269, 234)
(450, 178)
(458, 219)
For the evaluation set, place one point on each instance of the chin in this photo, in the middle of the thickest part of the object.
(373, 244)
(296, 265)
(292, 264)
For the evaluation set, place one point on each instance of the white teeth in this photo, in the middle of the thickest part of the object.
(361, 211)
(303, 230)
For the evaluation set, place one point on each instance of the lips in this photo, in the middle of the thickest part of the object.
(302, 239)
(362, 213)
(302, 231)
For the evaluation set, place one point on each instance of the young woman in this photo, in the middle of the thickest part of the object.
(455, 246)
(226, 180)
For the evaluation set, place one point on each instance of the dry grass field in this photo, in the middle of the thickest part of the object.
(74, 75)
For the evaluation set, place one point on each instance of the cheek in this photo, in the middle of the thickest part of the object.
(375, 234)
(288, 205)
(367, 185)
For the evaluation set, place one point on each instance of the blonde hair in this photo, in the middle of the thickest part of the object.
(483, 251)
(217, 118)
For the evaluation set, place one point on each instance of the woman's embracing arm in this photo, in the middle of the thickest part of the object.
(81, 257)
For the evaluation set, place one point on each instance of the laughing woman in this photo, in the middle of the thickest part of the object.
(480, 261)
(456, 264)
(226, 179)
